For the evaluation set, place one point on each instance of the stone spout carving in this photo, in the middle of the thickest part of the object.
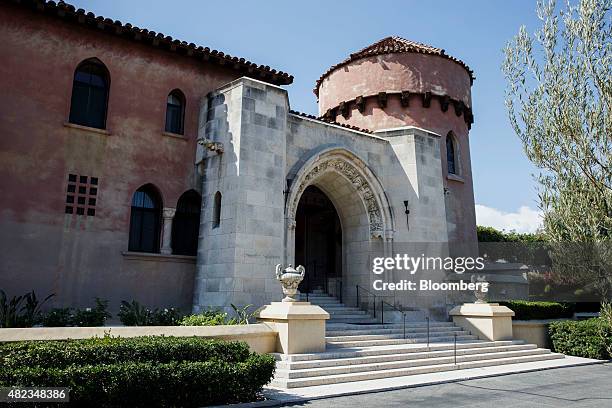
(290, 279)
(479, 294)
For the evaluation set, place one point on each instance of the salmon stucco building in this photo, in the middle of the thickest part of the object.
(137, 166)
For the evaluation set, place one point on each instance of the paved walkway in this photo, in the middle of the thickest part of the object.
(577, 387)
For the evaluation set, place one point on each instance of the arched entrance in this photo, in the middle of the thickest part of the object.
(318, 240)
(361, 207)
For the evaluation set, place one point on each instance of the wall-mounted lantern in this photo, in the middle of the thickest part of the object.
(406, 211)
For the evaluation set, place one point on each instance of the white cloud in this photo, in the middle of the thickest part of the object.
(524, 220)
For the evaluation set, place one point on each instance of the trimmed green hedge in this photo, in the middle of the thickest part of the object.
(526, 310)
(581, 338)
(112, 350)
(142, 371)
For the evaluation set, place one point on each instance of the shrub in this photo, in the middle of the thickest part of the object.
(166, 317)
(113, 350)
(145, 371)
(134, 314)
(526, 310)
(21, 311)
(91, 317)
(207, 318)
(215, 317)
(58, 317)
(584, 338)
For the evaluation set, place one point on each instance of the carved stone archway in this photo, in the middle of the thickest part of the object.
(356, 192)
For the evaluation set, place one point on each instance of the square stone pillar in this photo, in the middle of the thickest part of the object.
(488, 321)
(237, 255)
(300, 326)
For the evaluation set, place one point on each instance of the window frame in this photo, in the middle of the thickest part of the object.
(178, 94)
(456, 163)
(85, 117)
(217, 202)
(153, 194)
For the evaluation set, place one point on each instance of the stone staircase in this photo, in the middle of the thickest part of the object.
(360, 348)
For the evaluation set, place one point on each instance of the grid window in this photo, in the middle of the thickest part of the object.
(85, 202)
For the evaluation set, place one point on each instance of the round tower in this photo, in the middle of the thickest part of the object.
(396, 83)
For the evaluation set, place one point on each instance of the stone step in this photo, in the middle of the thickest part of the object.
(349, 315)
(407, 355)
(397, 372)
(409, 335)
(357, 319)
(336, 353)
(323, 303)
(399, 330)
(378, 325)
(342, 311)
(386, 342)
(390, 365)
(335, 307)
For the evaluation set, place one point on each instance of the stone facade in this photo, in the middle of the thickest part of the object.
(387, 179)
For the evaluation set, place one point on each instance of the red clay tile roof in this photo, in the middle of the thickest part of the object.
(392, 45)
(67, 12)
(324, 120)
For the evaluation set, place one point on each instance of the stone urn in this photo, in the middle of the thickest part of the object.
(481, 297)
(290, 279)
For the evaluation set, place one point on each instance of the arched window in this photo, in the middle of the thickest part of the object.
(186, 224)
(175, 112)
(89, 101)
(217, 210)
(451, 155)
(145, 220)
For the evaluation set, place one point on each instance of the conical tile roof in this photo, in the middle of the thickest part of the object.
(392, 45)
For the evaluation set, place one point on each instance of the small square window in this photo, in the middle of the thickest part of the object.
(71, 188)
(81, 200)
(93, 181)
(68, 209)
(83, 179)
(72, 178)
(92, 201)
(69, 199)
(93, 191)
(80, 211)
(82, 190)
(91, 212)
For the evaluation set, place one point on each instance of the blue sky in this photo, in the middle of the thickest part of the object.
(305, 37)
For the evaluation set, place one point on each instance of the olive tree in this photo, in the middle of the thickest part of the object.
(559, 100)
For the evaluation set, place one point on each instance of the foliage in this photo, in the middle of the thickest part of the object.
(241, 314)
(583, 338)
(134, 314)
(21, 311)
(206, 318)
(213, 317)
(91, 317)
(490, 234)
(113, 350)
(58, 317)
(139, 372)
(526, 310)
(167, 317)
(605, 314)
(558, 97)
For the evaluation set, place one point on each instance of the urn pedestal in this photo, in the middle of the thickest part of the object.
(300, 326)
(488, 321)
